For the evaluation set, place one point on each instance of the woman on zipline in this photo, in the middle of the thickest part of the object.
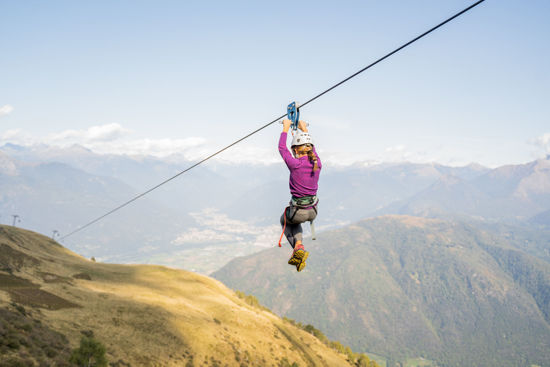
(305, 166)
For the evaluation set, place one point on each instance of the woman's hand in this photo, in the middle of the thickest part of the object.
(286, 125)
(302, 125)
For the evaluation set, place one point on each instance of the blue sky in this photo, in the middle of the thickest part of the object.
(165, 76)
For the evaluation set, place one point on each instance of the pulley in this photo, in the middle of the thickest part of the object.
(293, 114)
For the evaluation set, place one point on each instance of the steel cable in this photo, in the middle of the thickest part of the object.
(275, 120)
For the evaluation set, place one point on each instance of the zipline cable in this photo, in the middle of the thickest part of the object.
(272, 122)
(170, 179)
(393, 52)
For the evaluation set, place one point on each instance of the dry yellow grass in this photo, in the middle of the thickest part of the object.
(152, 315)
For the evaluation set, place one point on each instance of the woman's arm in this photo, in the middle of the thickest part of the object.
(283, 150)
(286, 125)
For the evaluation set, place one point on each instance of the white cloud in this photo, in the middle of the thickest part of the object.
(6, 110)
(250, 154)
(392, 154)
(154, 147)
(396, 149)
(14, 135)
(116, 139)
(17, 136)
(100, 133)
(111, 139)
(93, 135)
(397, 153)
(542, 142)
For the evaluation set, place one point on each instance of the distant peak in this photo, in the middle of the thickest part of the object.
(81, 148)
(12, 146)
(7, 165)
(449, 179)
(476, 166)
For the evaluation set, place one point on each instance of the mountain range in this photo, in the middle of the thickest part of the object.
(203, 219)
(464, 281)
(457, 293)
(51, 196)
(514, 194)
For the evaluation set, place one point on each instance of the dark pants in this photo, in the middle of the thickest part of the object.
(293, 230)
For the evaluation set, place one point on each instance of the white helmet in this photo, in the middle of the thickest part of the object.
(301, 138)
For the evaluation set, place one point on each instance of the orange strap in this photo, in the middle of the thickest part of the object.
(284, 227)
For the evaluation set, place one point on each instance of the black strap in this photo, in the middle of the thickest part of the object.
(293, 215)
(290, 207)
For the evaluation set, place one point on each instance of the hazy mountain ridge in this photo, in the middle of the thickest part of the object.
(542, 218)
(510, 193)
(144, 315)
(56, 196)
(151, 229)
(408, 286)
(7, 165)
(222, 211)
(237, 206)
(140, 172)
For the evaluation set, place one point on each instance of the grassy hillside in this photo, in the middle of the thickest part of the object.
(143, 315)
(408, 287)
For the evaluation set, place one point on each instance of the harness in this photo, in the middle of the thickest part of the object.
(305, 202)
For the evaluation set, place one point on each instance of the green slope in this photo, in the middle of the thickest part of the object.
(406, 287)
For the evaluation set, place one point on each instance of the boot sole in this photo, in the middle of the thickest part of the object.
(296, 258)
(302, 263)
(293, 261)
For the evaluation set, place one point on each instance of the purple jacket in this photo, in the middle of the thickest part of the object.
(303, 181)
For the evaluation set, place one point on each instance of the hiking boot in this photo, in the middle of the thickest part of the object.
(296, 257)
(293, 261)
(300, 257)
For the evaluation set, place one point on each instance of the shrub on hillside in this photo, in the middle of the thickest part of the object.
(90, 353)
(251, 300)
(285, 363)
(15, 361)
(27, 342)
(317, 333)
(364, 361)
(360, 360)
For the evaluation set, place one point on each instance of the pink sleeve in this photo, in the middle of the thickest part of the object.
(290, 161)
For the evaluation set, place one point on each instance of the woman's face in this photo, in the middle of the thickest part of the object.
(299, 151)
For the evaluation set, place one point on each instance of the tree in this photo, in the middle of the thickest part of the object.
(91, 353)
(363, 361)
